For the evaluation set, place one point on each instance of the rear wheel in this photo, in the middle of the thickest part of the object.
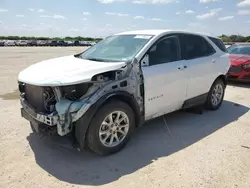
(111, 128)
(216, 95)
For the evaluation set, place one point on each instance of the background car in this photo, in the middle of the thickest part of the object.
(240, 62)
(42, 43)
(21, 43)
(9, 43)
(61, 43)
(31, 43)
(52, 43)
(76, 43)
(1, 43)
(69, 43)
(83, 43)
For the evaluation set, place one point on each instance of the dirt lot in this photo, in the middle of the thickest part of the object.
(208, 150)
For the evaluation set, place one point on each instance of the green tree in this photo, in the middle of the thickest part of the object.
(79, 38)
(235, 38)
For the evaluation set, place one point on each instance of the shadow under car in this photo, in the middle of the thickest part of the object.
(152, 141)
(238, 84)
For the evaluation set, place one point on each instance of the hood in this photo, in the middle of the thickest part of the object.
(238, 59)
(66, 70)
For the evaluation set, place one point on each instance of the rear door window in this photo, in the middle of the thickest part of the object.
(195, 46)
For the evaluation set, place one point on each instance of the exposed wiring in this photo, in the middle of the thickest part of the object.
(48, 98)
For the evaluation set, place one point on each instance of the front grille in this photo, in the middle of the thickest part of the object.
(235, 69)
(34, 97)
(232, 77)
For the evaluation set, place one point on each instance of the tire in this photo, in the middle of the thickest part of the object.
(210, 103)
(96, 142)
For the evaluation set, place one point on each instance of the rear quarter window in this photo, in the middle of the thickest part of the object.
(218, 43)
(195, 46)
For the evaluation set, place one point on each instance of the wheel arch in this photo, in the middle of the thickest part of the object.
(82, 125)
(130, 100)
(223, 78)
(209, 106)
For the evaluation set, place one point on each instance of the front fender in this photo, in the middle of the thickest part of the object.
(81, 125)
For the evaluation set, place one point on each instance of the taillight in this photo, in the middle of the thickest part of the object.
(246, 66)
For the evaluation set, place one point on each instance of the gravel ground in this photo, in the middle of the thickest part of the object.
(208, 150)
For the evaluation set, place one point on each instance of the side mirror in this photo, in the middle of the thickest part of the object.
(145, 61)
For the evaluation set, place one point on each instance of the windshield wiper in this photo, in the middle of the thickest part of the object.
(96, 59)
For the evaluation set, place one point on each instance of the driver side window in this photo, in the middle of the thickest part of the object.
(165, 51)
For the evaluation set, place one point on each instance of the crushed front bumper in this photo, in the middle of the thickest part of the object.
(61, 119)
(239, 77)
(30, 114)
(236, 73)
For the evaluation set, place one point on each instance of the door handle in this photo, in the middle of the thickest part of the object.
(182, 67)
(213, 61)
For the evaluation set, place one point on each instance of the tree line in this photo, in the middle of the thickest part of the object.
(48, 38)
(235, 38)
(225, 38)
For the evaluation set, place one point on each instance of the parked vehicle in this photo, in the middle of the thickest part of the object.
(52, 43)
(16, 42)
(32, 43)
(76, 43)
(70, 43)
(9, 43)
(2, 43)
(102, 94)
(61, 43)
(42, 43)
(83, 43)
(240, 62)
(21, 43)
(93, 43)
(88, 43)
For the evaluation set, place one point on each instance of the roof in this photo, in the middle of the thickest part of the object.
(161, 31)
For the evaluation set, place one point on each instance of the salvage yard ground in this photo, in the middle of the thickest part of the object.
(208, 150)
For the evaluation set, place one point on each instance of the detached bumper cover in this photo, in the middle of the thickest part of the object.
(30, 114)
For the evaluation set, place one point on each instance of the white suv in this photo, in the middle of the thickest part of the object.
(102, 94)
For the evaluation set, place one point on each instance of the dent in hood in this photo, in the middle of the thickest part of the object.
(65, 70)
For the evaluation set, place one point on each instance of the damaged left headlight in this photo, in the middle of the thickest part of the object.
(75, 92)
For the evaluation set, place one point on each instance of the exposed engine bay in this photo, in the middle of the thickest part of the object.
(61, 106)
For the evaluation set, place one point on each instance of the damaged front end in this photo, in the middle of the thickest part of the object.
(58, 108)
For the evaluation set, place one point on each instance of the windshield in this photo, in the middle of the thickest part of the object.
(116, 48)
(239, 49)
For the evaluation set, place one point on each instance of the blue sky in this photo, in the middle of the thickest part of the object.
(97, 18)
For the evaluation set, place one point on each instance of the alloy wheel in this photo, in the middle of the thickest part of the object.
(114, 129)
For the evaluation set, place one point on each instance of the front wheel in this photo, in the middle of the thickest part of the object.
(111, 128)
(216, 95)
